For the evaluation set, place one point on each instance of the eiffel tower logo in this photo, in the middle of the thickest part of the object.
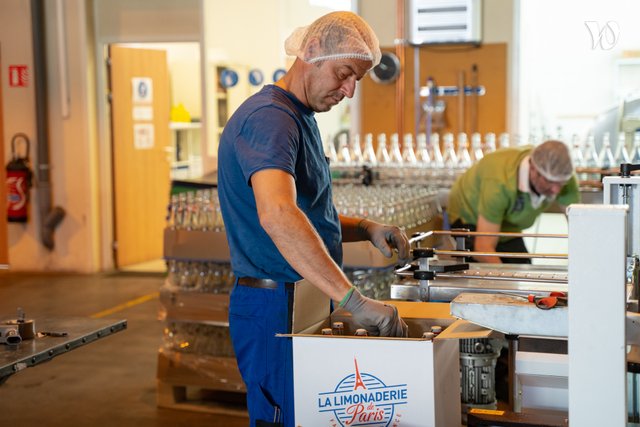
(359, 383)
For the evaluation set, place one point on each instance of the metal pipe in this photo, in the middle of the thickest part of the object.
(416, 90)
(420, 236)
(500, 254)
(461, 106)
(49, 218)
(399, 43)
(503, 278)
(513, 389)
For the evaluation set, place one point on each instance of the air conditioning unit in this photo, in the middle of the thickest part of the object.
(444, 21)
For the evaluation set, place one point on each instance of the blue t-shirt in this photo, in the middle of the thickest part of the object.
(273, 130)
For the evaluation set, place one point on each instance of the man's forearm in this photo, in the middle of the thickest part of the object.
(302, 247)
(486, 244)
(352, 230)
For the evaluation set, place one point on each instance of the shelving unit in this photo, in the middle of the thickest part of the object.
(186, 158)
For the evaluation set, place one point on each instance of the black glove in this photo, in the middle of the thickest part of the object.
(387, 237)
(377, 318)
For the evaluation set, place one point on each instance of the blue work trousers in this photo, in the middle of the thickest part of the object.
(265, 361)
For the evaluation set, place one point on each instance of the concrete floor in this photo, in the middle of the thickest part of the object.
(110, 382)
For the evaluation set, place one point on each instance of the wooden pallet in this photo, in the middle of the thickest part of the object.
(198, 399)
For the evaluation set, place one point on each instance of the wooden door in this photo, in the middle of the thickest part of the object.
(139, 82)
(4, 239)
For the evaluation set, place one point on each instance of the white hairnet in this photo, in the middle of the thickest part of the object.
(553, 160)
(337, 35)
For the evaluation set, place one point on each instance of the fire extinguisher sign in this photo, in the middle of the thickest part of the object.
(18, 76)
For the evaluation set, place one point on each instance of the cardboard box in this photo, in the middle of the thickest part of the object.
(347, 380)
(196, 245)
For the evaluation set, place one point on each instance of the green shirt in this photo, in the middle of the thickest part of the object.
(490, 188)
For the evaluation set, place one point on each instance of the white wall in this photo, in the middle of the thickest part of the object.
(249, 34)
(71, 137)
(565, 80)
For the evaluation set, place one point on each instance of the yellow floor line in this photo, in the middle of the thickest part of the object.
(125, 305)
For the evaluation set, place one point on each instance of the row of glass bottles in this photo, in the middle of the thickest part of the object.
(425, 153)
(374, 283)
(585, 155)
(404, 206)
(195, 210)
(198, 338)
(218, 278)
(199, 276)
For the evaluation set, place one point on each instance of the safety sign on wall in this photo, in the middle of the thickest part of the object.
(18, 76)
(142, 90)
(143, 136)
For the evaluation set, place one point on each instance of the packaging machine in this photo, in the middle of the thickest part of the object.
(577, 355)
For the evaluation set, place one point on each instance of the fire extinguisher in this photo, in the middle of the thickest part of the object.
(18, 181)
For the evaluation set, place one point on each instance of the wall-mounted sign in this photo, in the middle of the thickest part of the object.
(277, 74)
(143, 136)
(256, 77)
(18, 75)
(142, 90)
(142, 112)
(228, 78)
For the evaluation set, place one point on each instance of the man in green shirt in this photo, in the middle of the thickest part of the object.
(507, 190)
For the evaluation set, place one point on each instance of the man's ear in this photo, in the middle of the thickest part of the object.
(312, 49)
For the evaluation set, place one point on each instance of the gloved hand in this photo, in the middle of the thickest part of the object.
(377, 318)
(387, 237)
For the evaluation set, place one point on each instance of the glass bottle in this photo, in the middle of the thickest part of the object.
(408, 155)
(356, 151)
(436, 159)
(382, 155)
(476, 147)
(422, 152)
(337, 328)
(622, 154)
(606, 160)
(591, 159)
(504, 140)
(635, 154)
(369, 155)
(331, 152)
(576, 152)
(489, 143)
(463, 156)
(394, 152)
(344, 155)
(449, 156)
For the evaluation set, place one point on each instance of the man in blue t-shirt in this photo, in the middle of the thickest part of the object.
(275, 193)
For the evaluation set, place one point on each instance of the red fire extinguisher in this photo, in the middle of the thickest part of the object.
(18, 181)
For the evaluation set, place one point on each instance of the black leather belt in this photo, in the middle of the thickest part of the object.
(251, 282)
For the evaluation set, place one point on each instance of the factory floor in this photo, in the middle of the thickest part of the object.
(109, 382)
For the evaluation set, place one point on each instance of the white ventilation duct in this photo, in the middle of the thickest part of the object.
(444, 21)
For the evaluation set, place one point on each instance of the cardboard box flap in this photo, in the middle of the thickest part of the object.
(311, 308)
(462, 329)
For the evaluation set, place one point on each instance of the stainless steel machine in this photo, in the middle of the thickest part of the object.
(588, 344)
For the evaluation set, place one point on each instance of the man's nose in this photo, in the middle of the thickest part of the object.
(348, 88)
(555, 188)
